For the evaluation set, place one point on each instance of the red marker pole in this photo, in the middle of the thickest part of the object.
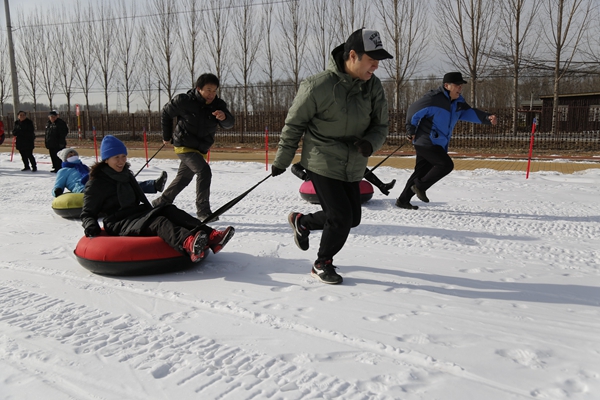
(531, 147)
(95, 143)
(266, 148)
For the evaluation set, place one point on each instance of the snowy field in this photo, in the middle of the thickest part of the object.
(490, 291)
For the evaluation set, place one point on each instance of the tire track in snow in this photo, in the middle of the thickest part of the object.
(200, 364)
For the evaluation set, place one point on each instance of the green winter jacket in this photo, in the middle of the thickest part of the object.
(333, 111)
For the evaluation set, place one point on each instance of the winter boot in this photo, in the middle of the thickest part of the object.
(195, 246)
(420, 193)
(159, 184)
(383, 187)
(406, 205)
(325, 272)
(218, 239)
(300, 232)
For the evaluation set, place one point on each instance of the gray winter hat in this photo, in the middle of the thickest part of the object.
(64, 152)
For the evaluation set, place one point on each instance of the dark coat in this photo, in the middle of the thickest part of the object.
(196, 126)
(101, 199)
(25, 134)
(56, 134)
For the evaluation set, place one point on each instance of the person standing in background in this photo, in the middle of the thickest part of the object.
(24, 131)
(56, 138)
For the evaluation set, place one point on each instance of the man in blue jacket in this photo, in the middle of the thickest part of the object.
(429, 122)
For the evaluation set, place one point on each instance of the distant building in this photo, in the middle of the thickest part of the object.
(577, 112)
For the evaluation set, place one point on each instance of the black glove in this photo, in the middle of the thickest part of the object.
(58, 192)
(92, 230)
(364, 147)
(276, 171)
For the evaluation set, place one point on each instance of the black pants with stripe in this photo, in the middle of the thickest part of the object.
(433, 163)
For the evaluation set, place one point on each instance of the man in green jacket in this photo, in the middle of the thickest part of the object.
(342, 116)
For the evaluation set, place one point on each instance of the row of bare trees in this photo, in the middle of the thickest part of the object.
(138, 50)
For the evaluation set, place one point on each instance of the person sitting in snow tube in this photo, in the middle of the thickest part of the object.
(74, 175)
(300, 172)
(113, 193)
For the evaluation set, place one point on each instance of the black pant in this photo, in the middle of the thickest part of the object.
(174, 225)
(341, 211)
(56, 161)
(27, 157)
(433, 163)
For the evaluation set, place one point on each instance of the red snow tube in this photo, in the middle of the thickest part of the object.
(307, 192)
(129, 255)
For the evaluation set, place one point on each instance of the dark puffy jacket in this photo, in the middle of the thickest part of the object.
(431, 119)
(56, 134)
(25, 134)
(196, 126)
(101, 199)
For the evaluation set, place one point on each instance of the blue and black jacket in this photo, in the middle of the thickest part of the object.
(431, 119)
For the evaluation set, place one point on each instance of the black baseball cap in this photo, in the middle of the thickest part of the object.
(53, 112)
(368, 42)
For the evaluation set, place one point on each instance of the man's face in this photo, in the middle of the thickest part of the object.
(22, 116)
(361, 69)
(208, 92)
(454, 90)
(52, 118)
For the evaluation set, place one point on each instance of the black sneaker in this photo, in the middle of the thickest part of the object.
(407, 205)
(325, 272)
(300, 232)
(420, 193)
(25, 169)
(159, 184)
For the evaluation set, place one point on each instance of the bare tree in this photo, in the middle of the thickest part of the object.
(189, 38)
(83, 32)
(322, 38)
(269, 53)
(163, 32)
(215, 27)
(5, 78)
(292, 19)
(29, 45)
(517, 21)
(568, 21)
(128, 50)
(64, 51)
(466, 33)
(147, 74)
(406, 32)
(48, 71)
(348, 16)
(104, 41)
(248, 34)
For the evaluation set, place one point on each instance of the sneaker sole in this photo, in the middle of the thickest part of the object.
(291, 222)
(223, 242)
(317, 276)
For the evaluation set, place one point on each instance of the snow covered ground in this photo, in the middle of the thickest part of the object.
(491, 291)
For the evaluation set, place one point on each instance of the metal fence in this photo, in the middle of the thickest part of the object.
(250, 130)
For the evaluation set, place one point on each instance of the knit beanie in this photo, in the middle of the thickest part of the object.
(110, 147)
(63, 153)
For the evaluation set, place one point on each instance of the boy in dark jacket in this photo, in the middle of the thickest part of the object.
(25, 134)
(56, 138)
(198, 113)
